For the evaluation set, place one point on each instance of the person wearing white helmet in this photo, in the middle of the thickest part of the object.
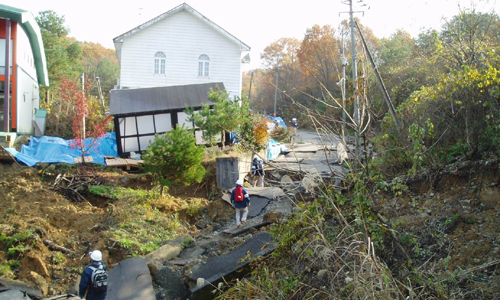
(94, 279)
(241, 202)
(258, 172)
(295, 126)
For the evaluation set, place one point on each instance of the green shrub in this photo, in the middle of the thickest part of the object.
(4, 270)
(280, 134)
(174, 159)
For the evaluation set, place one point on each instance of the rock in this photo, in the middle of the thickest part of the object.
(40, 282)
(200, 281)
(273, 216)
(322, 273)
(154, 267)
(192, 253)
(168, 251)
(490, 197)
(35, 264)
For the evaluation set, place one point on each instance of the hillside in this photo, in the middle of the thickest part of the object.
(440, 225)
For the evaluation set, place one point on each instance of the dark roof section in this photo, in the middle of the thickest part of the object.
(28, 22)
(133, 101)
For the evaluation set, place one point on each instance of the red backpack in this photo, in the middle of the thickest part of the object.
(238, 194)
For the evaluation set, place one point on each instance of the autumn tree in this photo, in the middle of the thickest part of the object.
(86, 136)
(289, 76)
(320, 56)
(100, 62)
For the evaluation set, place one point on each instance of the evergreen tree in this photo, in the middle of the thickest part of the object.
(174, 159)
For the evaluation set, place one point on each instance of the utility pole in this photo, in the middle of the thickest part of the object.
(344, 64)
(354, 81)
(250, 89)
(99, 89)
(276, 91)
(380, 81)
(83, 95)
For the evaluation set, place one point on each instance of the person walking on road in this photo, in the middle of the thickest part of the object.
(241, 202)
(258, 172)
(94, 279)
(295, 126)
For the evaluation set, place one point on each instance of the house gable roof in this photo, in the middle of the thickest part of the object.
(118, 41)
(26, 20)
(160, 99)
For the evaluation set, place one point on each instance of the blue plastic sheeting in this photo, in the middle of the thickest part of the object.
(48, 149)
(274, 149)
(277, 120)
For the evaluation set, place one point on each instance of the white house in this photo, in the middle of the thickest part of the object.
(179, 47)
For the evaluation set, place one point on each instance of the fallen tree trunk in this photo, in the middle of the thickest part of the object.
(55, 247)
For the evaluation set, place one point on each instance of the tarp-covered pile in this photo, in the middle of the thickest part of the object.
(48, 149)
(277, 120)
(274, 149)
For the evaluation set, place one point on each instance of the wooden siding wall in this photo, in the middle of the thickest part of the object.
(183, 38)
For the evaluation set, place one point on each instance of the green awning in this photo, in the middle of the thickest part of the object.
(28, 23)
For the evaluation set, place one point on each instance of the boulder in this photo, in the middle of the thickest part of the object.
(34, 263)
(168, 251)
(154, 267)
(40, 282)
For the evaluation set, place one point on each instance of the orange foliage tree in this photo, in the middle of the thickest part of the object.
(319, 56)
(87, 135)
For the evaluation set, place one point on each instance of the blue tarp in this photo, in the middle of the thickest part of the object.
(277, 120)
(49, 149)
(274, 149)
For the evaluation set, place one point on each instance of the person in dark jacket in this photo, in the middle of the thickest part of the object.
(258, 172)
(295, 126)
(240, 206)
(86, 281)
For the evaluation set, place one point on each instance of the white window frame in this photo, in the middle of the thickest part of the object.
(160, 61)
(203, 66)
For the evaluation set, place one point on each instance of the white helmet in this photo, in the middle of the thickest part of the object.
(239, 182)
(96, 255)
(294, 119)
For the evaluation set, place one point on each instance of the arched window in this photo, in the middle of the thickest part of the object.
(203, 65)
(160, 62)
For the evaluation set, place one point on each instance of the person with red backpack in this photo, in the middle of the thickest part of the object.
(94, 279)
(241, 202)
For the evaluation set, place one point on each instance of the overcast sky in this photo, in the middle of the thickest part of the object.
(257, 22)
